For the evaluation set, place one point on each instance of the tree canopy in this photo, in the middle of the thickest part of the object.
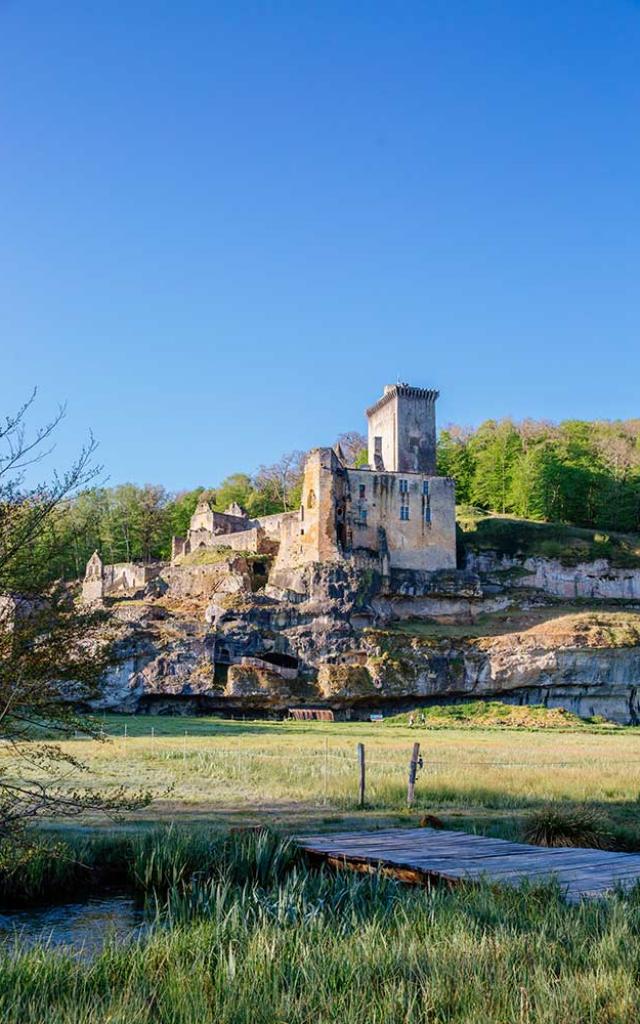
(584, 473)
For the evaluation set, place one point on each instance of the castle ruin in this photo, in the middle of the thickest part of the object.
(395, 512)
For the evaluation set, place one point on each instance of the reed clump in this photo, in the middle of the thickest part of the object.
(578, 825)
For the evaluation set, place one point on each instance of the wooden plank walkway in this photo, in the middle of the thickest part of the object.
(420, 854)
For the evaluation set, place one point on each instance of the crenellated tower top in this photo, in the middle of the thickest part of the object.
(402, 430)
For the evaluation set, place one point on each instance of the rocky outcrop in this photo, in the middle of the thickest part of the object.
(585, 665)
(597, 580)
(351, 640)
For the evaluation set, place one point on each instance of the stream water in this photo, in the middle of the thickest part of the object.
(82, 928)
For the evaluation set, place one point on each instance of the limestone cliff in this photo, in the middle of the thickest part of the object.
(212, 638)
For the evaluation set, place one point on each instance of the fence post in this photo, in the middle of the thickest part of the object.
(361, 773)
(413, 768)
(326, 767)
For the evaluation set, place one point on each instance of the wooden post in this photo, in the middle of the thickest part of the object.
(361, 773)
(326, 767)
(413, 768)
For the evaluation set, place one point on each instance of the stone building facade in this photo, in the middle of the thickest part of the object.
(406, 518)
(402, 430)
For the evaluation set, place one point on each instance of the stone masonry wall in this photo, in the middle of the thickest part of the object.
(419, 542)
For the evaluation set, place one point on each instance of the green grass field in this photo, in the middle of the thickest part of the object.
(294, 775)
(244, 933)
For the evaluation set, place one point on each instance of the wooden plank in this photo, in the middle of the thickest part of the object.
(496, 858)
(419, 848)
(449, 846)
(415, 854)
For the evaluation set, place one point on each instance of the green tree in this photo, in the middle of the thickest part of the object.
(455, 459)
(495, 448)
(52, 654)
(236, 488)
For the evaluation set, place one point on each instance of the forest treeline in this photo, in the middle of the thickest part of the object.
(577, 472)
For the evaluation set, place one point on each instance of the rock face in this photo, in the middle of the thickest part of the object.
(349, 640)
(597, 580)
(530, 668)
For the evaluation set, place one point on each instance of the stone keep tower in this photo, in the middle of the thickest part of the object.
(402, 430)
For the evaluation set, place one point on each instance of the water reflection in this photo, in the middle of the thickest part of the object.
(82, 927)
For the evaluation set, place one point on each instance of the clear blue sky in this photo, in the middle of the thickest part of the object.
(224, 226)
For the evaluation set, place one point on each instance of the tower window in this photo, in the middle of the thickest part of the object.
(362, 516)
(404, 486)
(363, 490)
(427, 512)
(425, 488)
(404, 512)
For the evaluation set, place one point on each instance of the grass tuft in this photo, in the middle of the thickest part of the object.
(580, 825)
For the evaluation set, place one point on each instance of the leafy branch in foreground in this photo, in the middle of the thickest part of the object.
(53, 654)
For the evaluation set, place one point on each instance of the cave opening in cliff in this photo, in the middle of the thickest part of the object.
(283, 660)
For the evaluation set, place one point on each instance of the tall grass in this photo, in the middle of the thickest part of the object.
(264, 941)
(149, 864)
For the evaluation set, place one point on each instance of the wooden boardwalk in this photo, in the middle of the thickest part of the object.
(424, 854)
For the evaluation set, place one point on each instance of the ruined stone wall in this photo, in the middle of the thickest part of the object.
(202, 518)
(206, 520)
(427, 539)
(128, 576)
(289, 552)
(273, 525)
(222, 522)
(246, 540)
(178, 547)
(318, 538)
(92, 591)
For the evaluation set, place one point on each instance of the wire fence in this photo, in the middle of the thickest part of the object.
(391, 761)
(339, 772)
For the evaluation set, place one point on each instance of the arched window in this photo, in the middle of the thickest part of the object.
(311, 499)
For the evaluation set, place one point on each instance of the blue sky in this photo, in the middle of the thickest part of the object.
(224, 226)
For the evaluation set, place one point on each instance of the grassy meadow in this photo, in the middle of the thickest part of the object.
(300, 775)
(242, 931)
